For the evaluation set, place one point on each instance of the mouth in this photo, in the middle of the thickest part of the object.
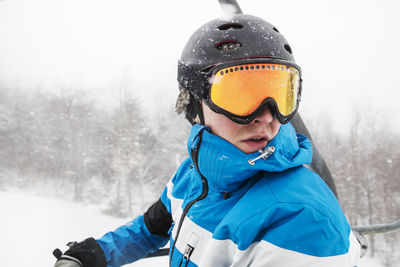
(256, 142)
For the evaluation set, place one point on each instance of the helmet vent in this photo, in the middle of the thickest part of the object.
(275, 29)
(288, 48)
(228, 46)
(234, 26)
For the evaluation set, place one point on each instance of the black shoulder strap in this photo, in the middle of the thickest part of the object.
(318, 163)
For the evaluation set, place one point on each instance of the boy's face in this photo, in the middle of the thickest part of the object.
(248, 138)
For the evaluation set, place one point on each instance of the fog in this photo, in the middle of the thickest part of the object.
(348, 50)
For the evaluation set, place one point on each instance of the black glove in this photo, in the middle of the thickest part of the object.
(87, 253)
(65, 260)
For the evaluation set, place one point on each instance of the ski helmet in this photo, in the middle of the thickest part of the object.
(223, 41)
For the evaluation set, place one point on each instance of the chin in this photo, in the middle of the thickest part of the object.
(248, 150)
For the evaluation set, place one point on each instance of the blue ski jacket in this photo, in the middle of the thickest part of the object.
(222, 208)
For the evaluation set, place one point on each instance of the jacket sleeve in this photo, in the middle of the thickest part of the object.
(139, 237)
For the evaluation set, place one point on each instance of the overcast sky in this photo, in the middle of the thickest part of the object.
(348, 50)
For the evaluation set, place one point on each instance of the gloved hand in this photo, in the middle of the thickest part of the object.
(87, 253)
(65, 260)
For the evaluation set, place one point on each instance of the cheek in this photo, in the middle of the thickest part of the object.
(221, 125)
(226, 128)
(275, 127)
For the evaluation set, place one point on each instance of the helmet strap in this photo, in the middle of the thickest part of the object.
(199, 110)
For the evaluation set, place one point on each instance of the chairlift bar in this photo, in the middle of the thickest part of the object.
(231, 3)
(364, 230)
(378, 228)
(161, 252)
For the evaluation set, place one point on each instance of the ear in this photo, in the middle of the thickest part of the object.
(197, 119)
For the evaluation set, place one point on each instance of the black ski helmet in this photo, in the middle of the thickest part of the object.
(224, 40)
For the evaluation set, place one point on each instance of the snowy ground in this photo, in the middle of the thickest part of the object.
(31, 226)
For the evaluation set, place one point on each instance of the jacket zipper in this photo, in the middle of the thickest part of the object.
(190, 246)
(195, 155)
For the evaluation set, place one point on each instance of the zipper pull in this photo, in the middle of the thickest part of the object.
(191, 244)
(188, 252)
(264, 154)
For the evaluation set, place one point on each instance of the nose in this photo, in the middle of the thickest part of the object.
(265, 116)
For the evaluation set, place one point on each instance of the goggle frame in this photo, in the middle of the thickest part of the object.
(267, 102)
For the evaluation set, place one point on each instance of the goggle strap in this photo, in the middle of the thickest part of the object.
(192, 80)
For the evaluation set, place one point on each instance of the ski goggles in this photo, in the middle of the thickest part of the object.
(241, 91)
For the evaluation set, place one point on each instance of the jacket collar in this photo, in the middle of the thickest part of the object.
(226, 167)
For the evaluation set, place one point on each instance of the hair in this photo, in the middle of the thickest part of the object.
(188, 104)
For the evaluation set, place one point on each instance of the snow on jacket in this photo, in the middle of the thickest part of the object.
(220, 210)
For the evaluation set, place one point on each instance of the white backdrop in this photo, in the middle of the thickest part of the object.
(348, 50)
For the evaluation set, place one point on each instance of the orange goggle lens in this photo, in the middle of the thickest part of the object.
(241, 89)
